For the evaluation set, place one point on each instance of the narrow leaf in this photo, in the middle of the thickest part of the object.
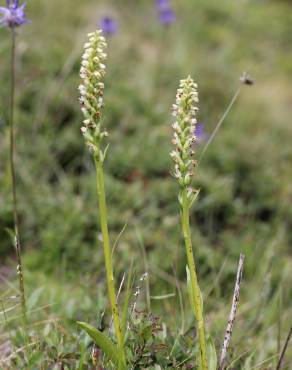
(212, 355)
(102, 341)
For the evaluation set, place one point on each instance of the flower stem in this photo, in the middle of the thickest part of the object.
(196, 293)
(13, 180)
(108, 260)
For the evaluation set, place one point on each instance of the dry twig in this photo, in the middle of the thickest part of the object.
(284, 350)
(232, 314)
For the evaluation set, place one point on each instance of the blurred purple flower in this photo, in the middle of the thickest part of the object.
(167, 16)
(108, 25)
(162, 4)
(199, 133)
(13, 14)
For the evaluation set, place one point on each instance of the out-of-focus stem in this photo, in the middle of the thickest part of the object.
(222, 119)
(13, 180)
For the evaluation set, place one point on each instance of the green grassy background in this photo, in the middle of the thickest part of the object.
(245, 176)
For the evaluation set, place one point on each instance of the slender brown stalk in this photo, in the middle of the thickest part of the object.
(245, 79)
(284, 350)
(13, 179)
(279, 334)
(232, 314)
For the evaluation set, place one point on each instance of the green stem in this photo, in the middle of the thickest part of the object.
(196, 293)
(13, 180)
(108, 260)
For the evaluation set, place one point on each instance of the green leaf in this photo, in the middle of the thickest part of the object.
(102, 341)
(212, 354)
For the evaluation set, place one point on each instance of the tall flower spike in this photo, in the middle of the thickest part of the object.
(91, 90)
(185, 131)
(185, 110)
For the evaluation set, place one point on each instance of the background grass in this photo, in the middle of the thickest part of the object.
(245, 177)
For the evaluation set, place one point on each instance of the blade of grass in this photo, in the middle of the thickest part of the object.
(119, 238)
(126, 301)
(146, 267)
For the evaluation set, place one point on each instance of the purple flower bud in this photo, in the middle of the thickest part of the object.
(13, 15)
(108, 25)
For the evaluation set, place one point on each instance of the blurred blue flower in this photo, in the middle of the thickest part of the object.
(199, 133)
(165, 12)
(13, 14)
(162, 4)
(108, 25)
(167, 16)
